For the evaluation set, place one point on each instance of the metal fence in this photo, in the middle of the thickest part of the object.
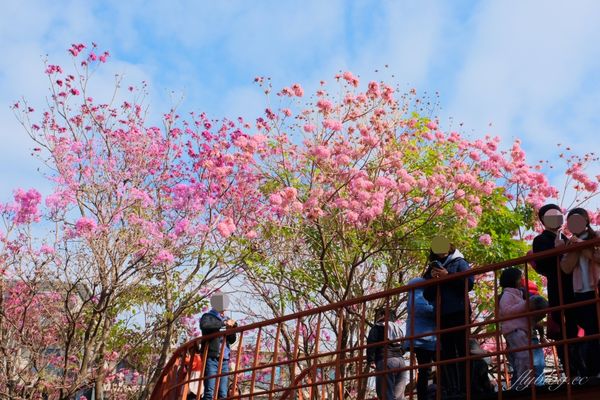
(320, 353)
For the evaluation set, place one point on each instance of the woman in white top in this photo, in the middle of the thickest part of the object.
(584, 265)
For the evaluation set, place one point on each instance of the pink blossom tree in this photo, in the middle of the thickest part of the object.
(359, 182)
(146, 218)
(320, 200)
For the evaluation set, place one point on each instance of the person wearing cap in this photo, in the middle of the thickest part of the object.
(455, 310)
(584, 267)
(211, 322)
(558, 283)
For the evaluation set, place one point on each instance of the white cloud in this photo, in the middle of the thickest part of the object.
(525, 60)
(531, 70)
(528, 68)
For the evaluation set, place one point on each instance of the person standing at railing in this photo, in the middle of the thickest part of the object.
(584, 267)
(212, 322)
(391, 385)
(420, 319)
(516, 331)
(558, 284)
(454, 309)
(537, 302)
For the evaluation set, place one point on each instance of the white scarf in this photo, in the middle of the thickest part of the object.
(584, 266)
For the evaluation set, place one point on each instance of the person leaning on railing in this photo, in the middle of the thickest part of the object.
(455, 311)
(420, 319)
(516, 330)
(584, 266)
(559, 284)
(536, 302)
(212, 322)
(391, 385)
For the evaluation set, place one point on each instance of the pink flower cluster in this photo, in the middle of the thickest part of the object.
(485, 239)
(226, 227)
(285, 201)
(85, 226)
(164, 257)
(26, 205)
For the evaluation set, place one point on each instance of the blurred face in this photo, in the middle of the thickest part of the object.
(577, 224)
(440, 246)
(553, 219)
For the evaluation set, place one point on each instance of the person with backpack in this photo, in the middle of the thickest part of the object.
(420, 319)
(212, 322)
(584, 267)
(391, 385)
(454, 309)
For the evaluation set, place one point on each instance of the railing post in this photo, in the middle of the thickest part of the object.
(295, 355)
(314, 360)
(255, 361)
(531, 370)
(499, 363)
(338, 355)
(188, 372)
(220, 367)
(274, 360)
(563, 325)
(238, 359)
(438, 344)
(467, 344)
(411, 315)
(362, 387)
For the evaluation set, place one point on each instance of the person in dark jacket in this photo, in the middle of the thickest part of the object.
(559, 282)
(420, 319)
(389, 386)
(212, 322)
(454, 309)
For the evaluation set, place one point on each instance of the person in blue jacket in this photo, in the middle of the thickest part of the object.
(454, 309)
(211, 322)
(420, 319)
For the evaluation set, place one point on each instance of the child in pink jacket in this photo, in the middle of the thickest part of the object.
(515, 331)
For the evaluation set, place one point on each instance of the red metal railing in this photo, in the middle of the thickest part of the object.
(320, 353)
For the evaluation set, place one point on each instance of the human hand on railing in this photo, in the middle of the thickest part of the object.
(230, 323)
(437, 272)
(558, 242)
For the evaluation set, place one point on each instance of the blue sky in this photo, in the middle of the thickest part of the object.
(514, 68)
